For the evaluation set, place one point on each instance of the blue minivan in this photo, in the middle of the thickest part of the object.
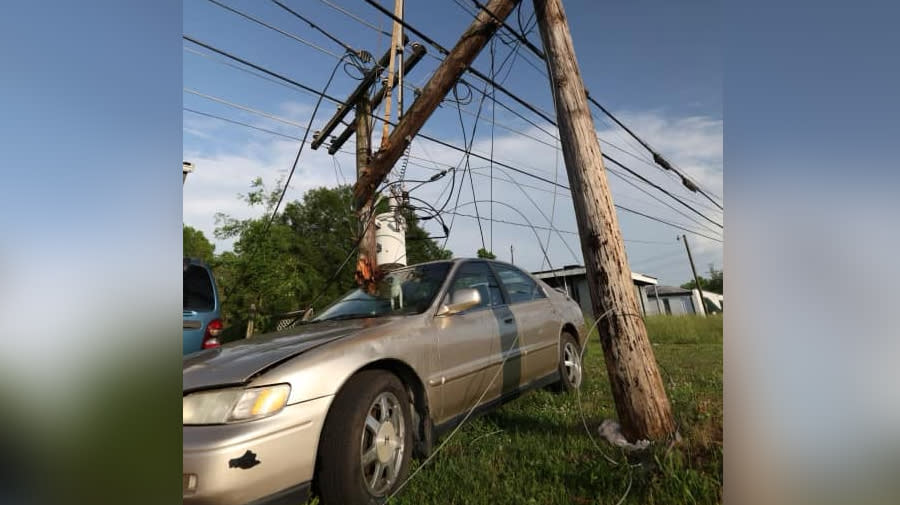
(202, 314)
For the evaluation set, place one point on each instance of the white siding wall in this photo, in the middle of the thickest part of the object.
(679, 304)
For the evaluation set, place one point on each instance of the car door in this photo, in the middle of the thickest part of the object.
(535, 320)
(468, 346)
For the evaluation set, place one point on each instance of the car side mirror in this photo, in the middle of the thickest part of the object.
(460, 300)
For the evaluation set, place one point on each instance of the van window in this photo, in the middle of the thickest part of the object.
(198, 290)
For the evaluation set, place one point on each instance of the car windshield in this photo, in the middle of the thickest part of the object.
(407, 291)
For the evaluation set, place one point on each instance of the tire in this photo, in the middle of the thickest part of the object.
(350, 453)
(571, 370)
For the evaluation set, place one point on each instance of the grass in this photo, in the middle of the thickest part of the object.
(535, 450)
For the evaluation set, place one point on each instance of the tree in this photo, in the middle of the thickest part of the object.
(484, 253)
(298, 261)
(195, 244)
(714, 284)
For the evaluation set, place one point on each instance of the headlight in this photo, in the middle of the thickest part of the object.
(234, 404)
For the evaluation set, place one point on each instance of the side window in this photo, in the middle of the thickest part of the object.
(520, 287)
(478, 275)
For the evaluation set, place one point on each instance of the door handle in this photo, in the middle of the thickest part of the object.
(508, 320)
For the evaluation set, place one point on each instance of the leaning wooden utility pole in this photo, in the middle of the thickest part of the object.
(637, 387)
(366, 263)
(442, 80)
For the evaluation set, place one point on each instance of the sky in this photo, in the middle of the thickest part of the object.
(657, 66)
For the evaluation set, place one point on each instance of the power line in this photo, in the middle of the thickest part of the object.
(513, 223)
(429, 40)
(540, 211)
(339, 102)
(626, 209)
(272, 27)
(247, 71)
(303, 144)
(658, 158)
(469, 145)
(323, 94)
(243, 108)
(443, 50)
(635, 186)
(660, 188)
(262, 69)
(514, 33)
(221, 118)
(316, 27)
(354, 17)
(663, 221)
(507, 180)
(498, 86)
(545, 228)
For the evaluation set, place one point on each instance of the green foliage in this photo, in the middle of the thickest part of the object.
(195, 244)
(714, 284)
(484, 253)
(292, 265)
(421, 248)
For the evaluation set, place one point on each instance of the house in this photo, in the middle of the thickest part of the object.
(573, 280)
(674, 300)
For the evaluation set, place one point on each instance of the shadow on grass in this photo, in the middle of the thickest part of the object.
(532, 423)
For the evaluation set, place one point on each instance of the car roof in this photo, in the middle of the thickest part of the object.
(194, 261)
(454, 261)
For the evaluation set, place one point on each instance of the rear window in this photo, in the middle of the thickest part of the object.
(198, 290)
(519, 286)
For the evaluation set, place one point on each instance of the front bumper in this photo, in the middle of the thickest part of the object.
(263, 462)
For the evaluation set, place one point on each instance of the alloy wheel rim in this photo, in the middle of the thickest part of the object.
(381, 450)
(571, 364)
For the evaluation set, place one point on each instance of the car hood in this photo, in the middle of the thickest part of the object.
(238, 362)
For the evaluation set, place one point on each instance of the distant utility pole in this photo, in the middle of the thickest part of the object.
(512, 256)
(641, 402)
(442, 80)
(696, 278)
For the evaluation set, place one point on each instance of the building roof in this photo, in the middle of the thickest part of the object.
(668, 291)
(577, 270)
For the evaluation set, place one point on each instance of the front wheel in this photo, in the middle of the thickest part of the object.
(366, 443)
(570, 366)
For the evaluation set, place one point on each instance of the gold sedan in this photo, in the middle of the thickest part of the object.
(342, 403)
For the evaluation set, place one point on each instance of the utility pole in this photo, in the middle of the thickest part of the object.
(367, 261)
(442, 80)
(396, 51)
(512, 256)
(641, 402)
(696, 278)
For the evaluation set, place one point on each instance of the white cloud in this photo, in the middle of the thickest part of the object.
(219, 178)
(694, 144)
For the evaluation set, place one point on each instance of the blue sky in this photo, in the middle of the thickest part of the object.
(658, 66)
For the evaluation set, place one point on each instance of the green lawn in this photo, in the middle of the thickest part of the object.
(535, 450)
